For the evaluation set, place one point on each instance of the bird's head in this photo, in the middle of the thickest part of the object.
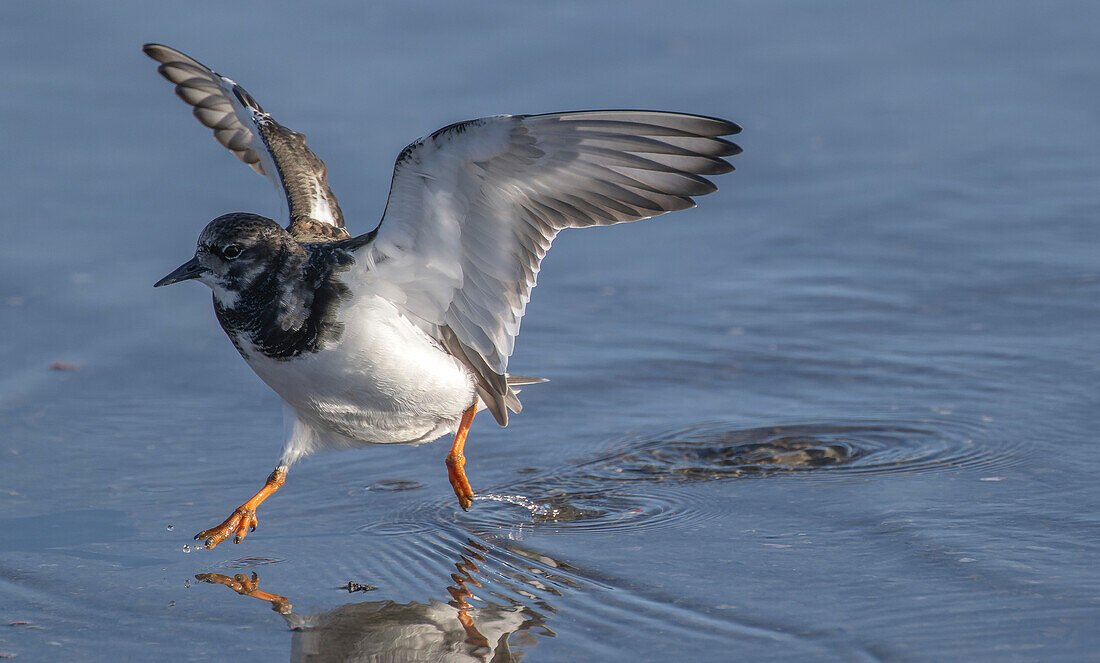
(234, 252)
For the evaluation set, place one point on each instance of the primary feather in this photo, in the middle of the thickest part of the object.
(250, 133)
(474, 207)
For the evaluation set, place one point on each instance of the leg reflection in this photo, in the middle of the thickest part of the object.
(460, 592)
(246, 586)
(466, 628)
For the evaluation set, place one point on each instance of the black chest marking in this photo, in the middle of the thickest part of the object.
(291, 309)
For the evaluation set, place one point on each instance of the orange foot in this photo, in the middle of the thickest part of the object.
(243, 520)
(456, 462)
(459, 482)
(246, 586)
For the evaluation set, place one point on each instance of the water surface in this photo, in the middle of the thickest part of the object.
(844, 410)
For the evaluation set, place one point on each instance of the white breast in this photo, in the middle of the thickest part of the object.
(384, 381)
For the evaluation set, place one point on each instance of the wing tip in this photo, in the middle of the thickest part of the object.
(733, 148)
(732, 127)
(163, 54)
(722, 168)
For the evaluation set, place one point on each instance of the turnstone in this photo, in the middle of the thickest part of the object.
(401, 334)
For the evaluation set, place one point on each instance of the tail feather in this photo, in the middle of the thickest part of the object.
(510, 400)
(520, 380)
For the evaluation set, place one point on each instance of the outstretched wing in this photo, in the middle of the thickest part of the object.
(240, 124)
(474, 207)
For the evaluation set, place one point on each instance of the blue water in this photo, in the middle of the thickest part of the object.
(844, 410)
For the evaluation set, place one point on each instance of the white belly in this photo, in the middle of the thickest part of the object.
(384, 381)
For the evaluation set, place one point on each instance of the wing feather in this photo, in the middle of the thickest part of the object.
(474, 207)
(254, 137)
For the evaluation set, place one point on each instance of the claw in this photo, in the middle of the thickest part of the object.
(240, 522)
(243, 520)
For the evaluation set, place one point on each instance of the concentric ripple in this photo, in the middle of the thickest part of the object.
(397, 527)
(247, 563)
(443, 591)
(574, 504)
(660, 481)
(811, 450)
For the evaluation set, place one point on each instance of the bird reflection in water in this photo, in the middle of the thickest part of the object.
(433, 631)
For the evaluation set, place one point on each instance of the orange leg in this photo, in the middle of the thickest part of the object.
(456, 462)
(243, 520)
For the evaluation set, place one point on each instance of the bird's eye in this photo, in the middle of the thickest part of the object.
(232, 251)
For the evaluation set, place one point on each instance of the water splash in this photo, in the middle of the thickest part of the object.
(538, 510)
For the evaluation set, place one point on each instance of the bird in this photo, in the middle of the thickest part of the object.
(402, 334)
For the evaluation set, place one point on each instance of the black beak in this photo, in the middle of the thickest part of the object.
(185, 272)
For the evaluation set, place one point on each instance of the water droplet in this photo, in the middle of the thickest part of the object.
(171, 527)
(186, 548)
